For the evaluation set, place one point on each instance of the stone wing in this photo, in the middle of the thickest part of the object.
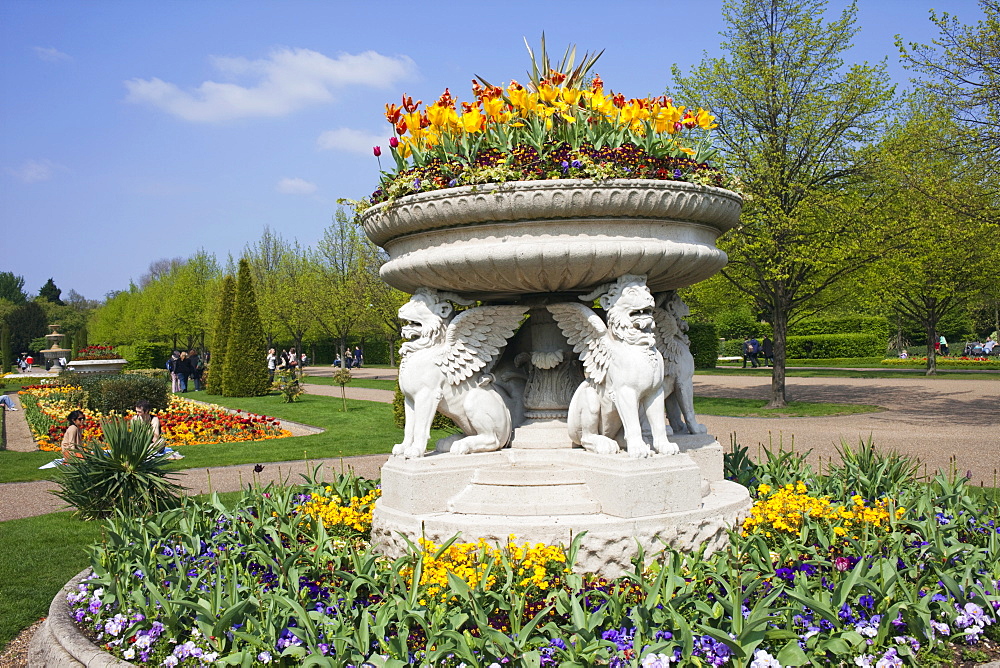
(587, 333)
(475, 337)
(665, 328)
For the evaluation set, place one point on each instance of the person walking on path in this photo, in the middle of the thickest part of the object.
(184, 370)
(767, 345)
(197, 368)
(272, 363)
(175, 385)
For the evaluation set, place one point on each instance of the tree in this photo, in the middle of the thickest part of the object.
(282, 274)
(220, 336)
(245, 371)
(962, 70)
(51, 293)
(339, 302)
(12, 288)
(27, 322)
(6, 354)
(947, 261)
(790, 119)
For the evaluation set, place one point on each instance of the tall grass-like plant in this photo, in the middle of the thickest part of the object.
(130, 476)
(872, 473)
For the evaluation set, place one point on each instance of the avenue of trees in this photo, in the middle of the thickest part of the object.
(303, 296)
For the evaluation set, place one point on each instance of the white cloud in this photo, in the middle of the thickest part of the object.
(296, 186)
(353, 141)
(50, 54)
(33, 171)
(285, 81)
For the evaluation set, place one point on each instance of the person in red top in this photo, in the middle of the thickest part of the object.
(29, 360)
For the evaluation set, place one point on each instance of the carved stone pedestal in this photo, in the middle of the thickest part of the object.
(551, 495)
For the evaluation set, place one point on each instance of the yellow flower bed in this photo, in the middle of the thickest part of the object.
(785, 510)
(331, 511)
(535, 567)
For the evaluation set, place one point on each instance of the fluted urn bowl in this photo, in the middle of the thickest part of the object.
(528, 237)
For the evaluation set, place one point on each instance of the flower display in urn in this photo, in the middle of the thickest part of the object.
(543, 229)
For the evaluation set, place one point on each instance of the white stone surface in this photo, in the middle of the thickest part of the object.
(528, 237)
(549, 496)
(97, 366)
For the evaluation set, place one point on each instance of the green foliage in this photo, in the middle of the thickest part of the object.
(738, 466)
(50, 292)
(145, 355)
(704, 344)
(872, 473)
(245, 369)
(129, 477)
(159, 373)
(792, 117)
(119, 393)
(220, 336)
(26, 322)
(288, 385)
(12, 288)
(739, 323)
(399, 414)
(851, 324)
(6, 355)
(823, 346)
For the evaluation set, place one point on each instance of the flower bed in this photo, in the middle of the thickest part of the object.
(96, 353)
(184, 422)
(945, 362)
(285, 577)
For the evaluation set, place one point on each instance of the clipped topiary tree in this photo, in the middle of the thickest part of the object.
(220, 335)
(245, 370)
(5, 350)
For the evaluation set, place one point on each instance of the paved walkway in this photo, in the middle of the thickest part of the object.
(934, 419)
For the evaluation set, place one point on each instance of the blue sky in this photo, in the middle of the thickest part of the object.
(133, 130)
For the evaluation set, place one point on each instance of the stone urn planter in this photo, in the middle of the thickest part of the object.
(541, 250)
(97, 366)
(558, 236)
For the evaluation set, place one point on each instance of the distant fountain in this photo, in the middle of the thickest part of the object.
(56, 355)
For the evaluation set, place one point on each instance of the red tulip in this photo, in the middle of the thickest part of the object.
(377, 150)
(393, 142)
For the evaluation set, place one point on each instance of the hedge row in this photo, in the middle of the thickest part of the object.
(852, 324)
(820, 346)
(704, 344)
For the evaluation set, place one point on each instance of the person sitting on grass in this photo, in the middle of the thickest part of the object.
(143, 412)
(72, 443)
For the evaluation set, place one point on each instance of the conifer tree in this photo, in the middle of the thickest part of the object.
(245, 372)
(220, 335)
(5, 352)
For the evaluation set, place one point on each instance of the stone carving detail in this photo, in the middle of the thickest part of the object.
(678, 364)
(623, 367)
(445, 366)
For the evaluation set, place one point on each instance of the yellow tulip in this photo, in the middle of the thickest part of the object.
(472, 120)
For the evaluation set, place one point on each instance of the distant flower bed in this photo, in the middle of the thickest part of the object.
(945, 362)
(286, 577)
(184, 422)
(96, 353)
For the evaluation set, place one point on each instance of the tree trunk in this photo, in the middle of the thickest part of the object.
(392, 351)
(779, 321)
(931, 325)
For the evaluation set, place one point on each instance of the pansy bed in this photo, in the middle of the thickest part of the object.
(185, 422)
(817, 575)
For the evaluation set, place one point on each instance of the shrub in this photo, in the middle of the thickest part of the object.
(220, 335)
(119, 393)
(145, 355)
(825, 346)
(704, 344)
(128, 477)
(244, 373)
(399, 414)
(6, 356)
(851, 324)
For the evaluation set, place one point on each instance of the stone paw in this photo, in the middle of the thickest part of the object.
(460, 448)
(638, 451)
(601, 445)
(413, 452)
(667, 448)
(398, 449)
(698, 428)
